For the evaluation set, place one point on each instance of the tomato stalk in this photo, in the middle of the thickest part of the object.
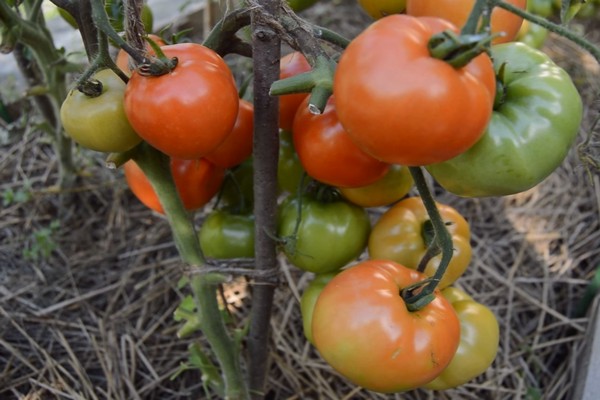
(266, 46)
(421, 294)
(222, 37)
(204, 286)
(481, 10)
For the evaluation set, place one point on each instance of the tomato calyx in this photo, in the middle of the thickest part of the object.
(500, 87)
(91, 87)
(318, 82)
(458, 50)
(414, 297)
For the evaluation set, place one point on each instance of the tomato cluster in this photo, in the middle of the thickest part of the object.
(493, 123)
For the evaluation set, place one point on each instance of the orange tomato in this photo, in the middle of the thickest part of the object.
(291, 64)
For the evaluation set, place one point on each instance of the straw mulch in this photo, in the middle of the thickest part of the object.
(92, 318)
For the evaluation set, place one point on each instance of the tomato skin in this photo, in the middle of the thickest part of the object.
(457, 12)
(237, 191)
(380, 8)
(393, 186)
(188, 112)
(398, 236)
(309, 299)
(291, 64)
(479, 341)
(237, 146)
(404, 106)
(532, 35)
(529, 134)
(99, 123)
(330, 234)
(363, 329)
(197, 181)
(328, 154)
(226, 235)
(289, 169)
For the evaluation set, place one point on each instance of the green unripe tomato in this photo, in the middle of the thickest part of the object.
(309, 299)
(329, 236)
(99, 123)
(225, 235)
(289, 170)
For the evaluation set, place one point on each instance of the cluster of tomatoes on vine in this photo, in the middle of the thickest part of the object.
(410, 91)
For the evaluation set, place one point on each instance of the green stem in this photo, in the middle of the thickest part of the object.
(330, 36)
(103, 24)
(156, 167)
(552, 27)
(442, 238)
(471, 26)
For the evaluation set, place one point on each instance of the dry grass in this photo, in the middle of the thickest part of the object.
(93, 319)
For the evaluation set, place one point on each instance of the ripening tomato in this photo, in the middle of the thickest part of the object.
(394, 185)
(188, 112)
(479, 340)
(457, 12)
(364, 330)
(237, 147)
(99, 123)
(328, 154)
(122, 59)
(291, 64)
(403, 106)
(404, 232)
(197, 181)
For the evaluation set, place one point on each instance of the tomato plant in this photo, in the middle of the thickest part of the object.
(237, 146)
(534, 124)
(457, 12)
(363, 329)
(393, 186)
(532, 35)
(328, 154)
(330, 233)
(309, 299)
(380, 8)
(188, 112)
(479, 341)
(405, 106)
(99, 123)
(224, 234)
(291, 64)
(403, 234)
(197, 181)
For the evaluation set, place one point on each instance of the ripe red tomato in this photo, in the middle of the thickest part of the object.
(291, 64)
(188, 112)
(364, 330)
(197, 181)
(457, 12)
(237, 147)
(328, 154)
(401, 105)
